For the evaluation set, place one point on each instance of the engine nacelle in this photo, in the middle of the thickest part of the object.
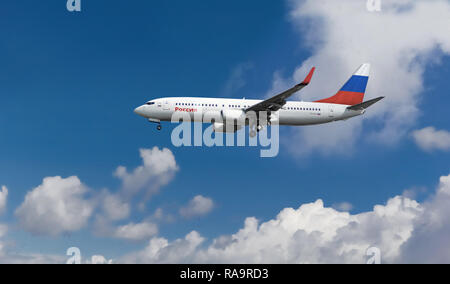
(233, 114)
(222, 127)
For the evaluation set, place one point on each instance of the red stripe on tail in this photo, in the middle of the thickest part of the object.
(344, 98)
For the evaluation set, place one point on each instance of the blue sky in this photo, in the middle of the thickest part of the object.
(69, 83)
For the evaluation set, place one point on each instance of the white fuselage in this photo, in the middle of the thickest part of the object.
(292, 113)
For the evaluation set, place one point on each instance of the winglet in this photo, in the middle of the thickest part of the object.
(308, 78)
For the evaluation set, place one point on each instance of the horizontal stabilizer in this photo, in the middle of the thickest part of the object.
(365, 105)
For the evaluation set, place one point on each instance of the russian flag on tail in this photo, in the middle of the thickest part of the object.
(352, 93)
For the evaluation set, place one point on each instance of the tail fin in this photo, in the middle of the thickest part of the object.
(352, 93)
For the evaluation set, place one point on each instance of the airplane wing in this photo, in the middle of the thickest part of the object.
(365, 105)
(278, 101)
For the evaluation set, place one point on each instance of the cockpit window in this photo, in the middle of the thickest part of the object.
(150, 103)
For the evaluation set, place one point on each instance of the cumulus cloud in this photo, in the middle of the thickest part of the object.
(430, 139)
(3, 198)
(401, 229)
(65, 205)
(57, 206)
(198, 206)
(114, 207)
(159, 250)
(158, 169)
(344, 34)
(136, 232)
(430, 242)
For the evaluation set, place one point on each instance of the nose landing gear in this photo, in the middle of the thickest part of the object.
(158, 127)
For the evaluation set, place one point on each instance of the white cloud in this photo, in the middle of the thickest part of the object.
(3, 198)
(158, 169)
(430, 242)
(159, 250)
(7, 255)
(3, 230)
(57, 206)
(403, 229)
(136, 232)
(14, 258)
(198, 206)
(343, 35)
(160, 216)
(343, 206)
(430, 139)
(61, 205)
(114, 208)
(414, 192)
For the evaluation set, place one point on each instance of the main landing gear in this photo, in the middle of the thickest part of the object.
(159, 127)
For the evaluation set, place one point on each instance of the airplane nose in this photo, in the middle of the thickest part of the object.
(139, 110)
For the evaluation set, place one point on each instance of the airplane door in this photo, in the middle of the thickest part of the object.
(166, 105)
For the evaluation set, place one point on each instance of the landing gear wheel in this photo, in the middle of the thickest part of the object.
(253, 134)
(159, 127)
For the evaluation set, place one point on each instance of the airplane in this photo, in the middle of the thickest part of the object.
(348, 102)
